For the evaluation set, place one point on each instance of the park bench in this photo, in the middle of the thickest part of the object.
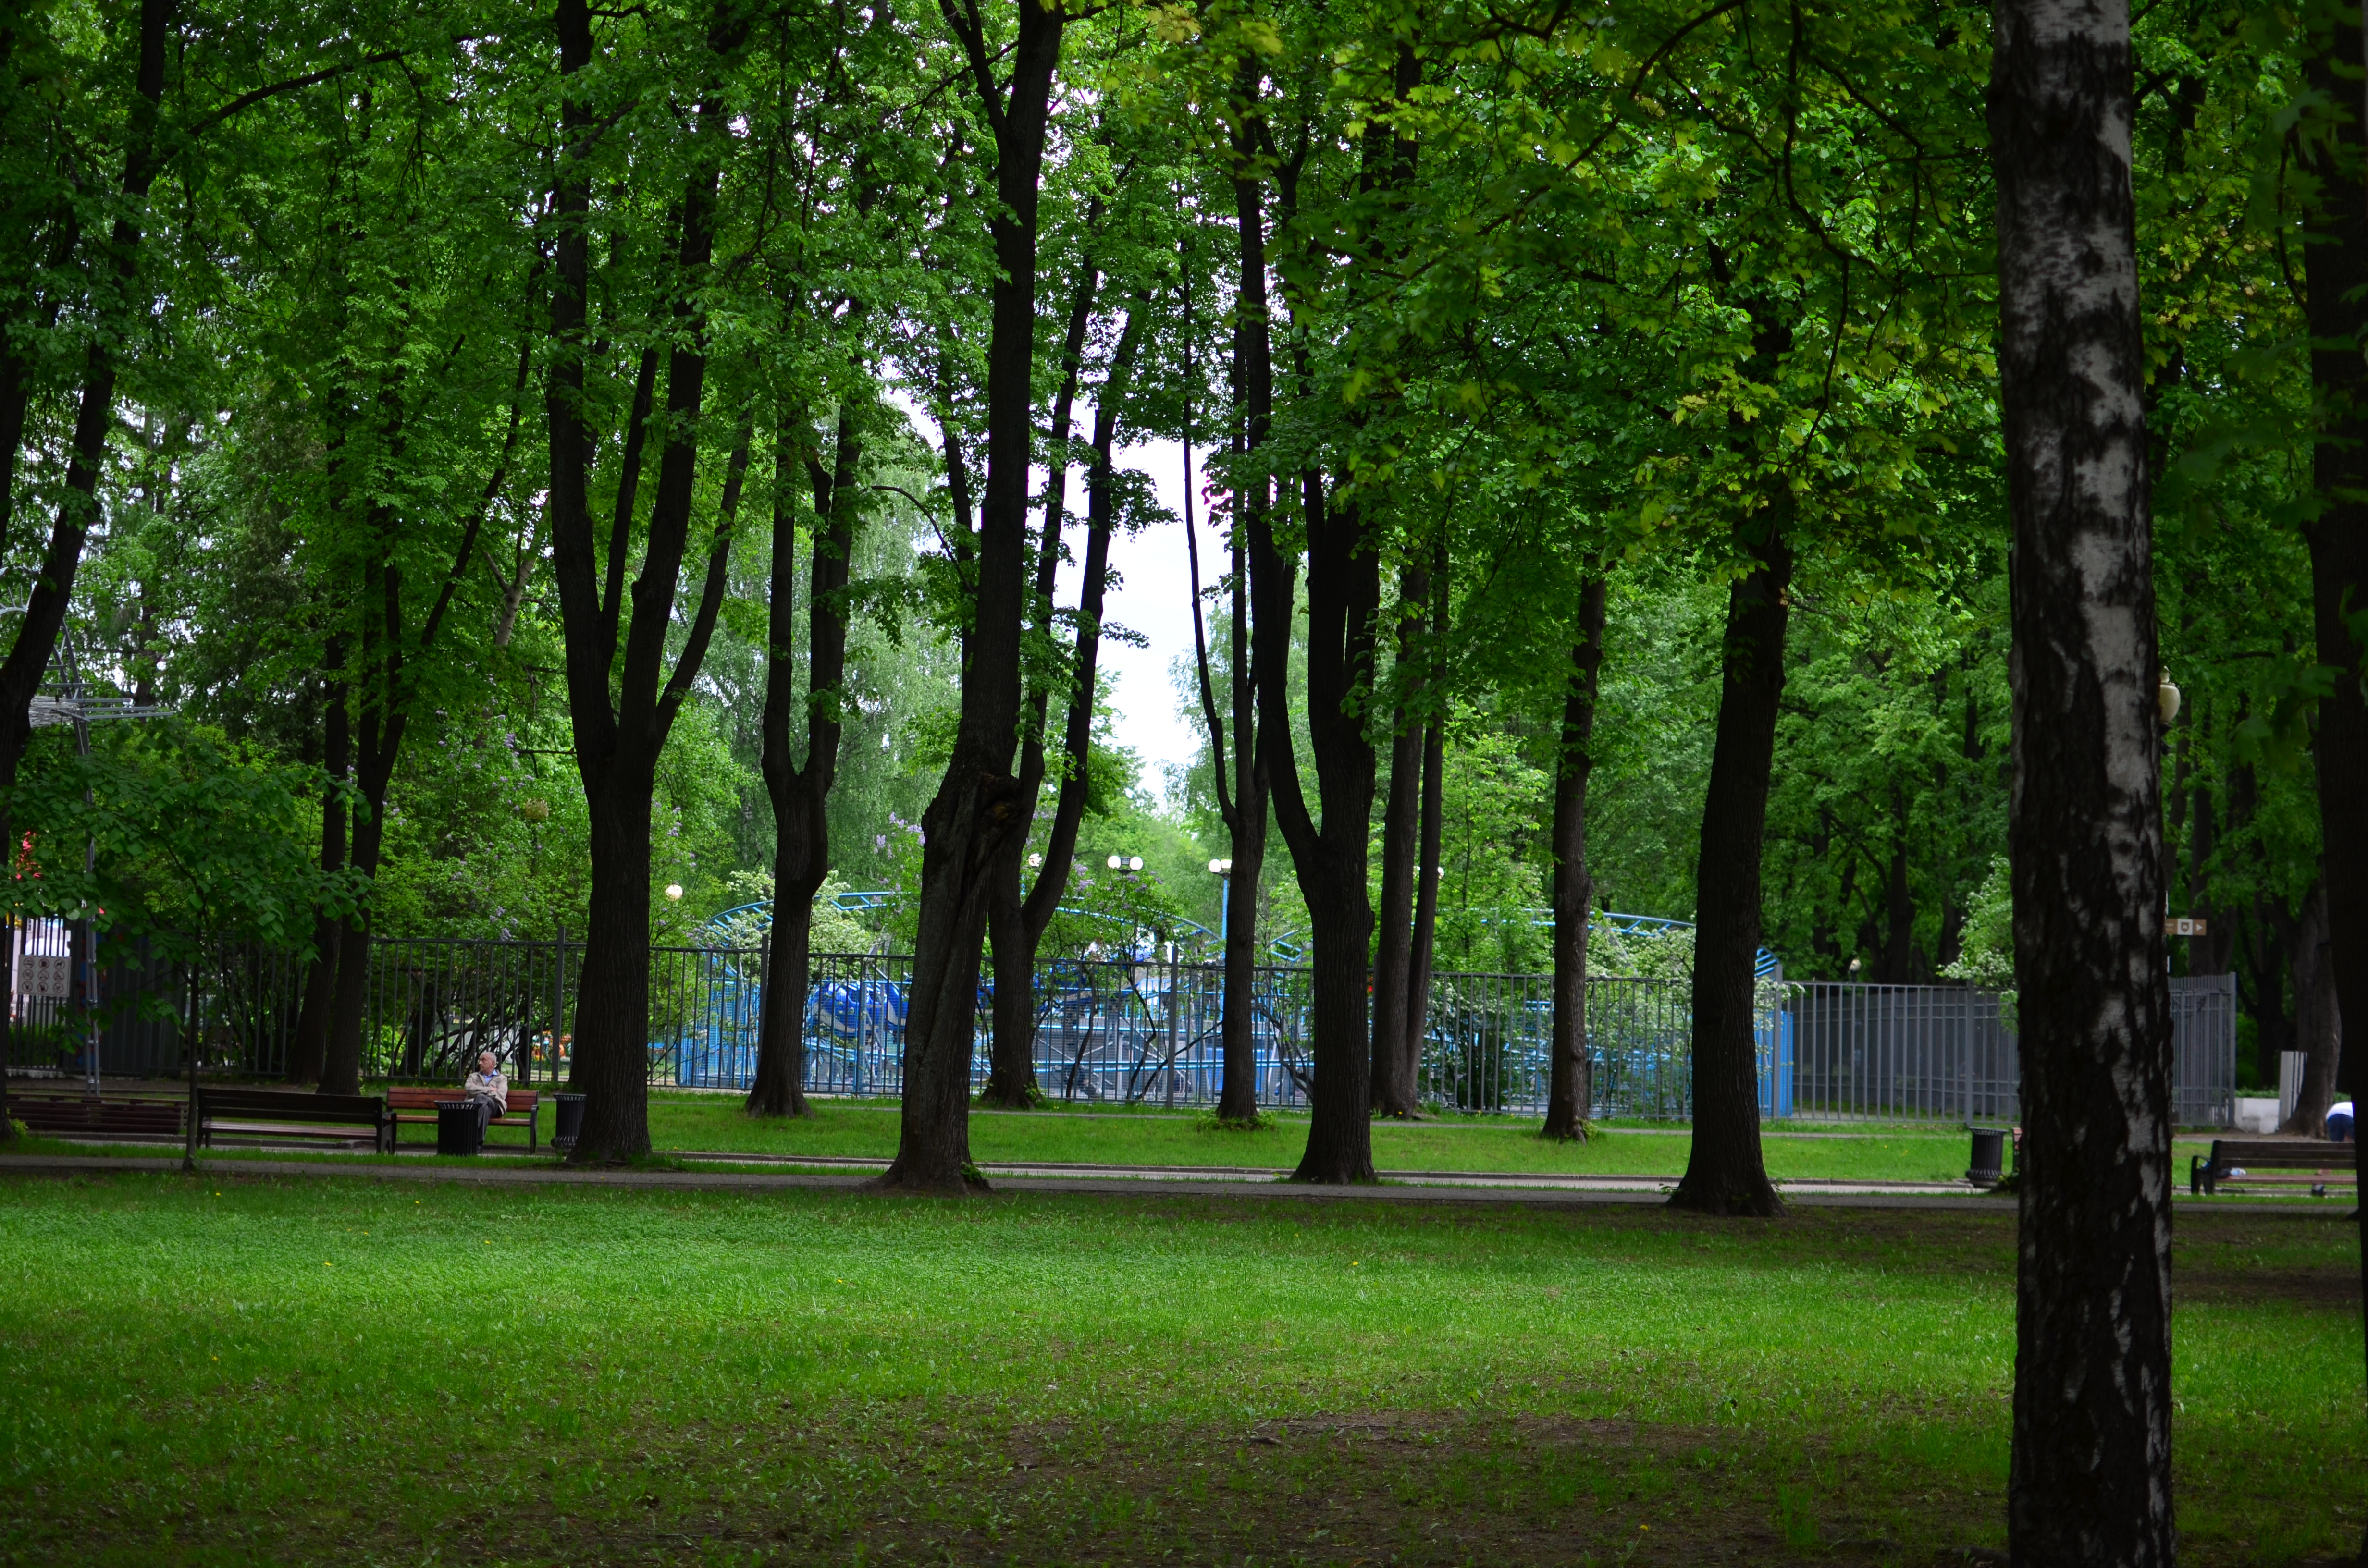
(416, 1102)
(2249, 1155)
(88, 1116)
(281, 1115)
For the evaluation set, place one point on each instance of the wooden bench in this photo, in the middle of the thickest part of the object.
(416, 1103)
(88, 1116)
(281, 1115)
(2230, 1155)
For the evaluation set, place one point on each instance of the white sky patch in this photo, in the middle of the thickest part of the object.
(1153, 597)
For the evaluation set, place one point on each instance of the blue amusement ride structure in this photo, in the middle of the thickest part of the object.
(1135, 1021)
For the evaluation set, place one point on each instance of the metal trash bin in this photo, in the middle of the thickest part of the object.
(456, 1127)
(1988, 1168)
(567, 1122)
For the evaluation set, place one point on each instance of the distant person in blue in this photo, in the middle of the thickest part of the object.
(2338, 1122)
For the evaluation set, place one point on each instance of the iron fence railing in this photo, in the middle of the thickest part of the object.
(1911, 1052)
(1119, 1032)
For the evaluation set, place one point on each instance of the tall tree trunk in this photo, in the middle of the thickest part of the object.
(2211, 953)
(52, 591)
(801, 795)
(1246, 811)
(2319, 1021)
(1343, 597)
(1343, 591)
(2090, 1478)
(390, 656)
(2335, 269)
(308, 1051)
(1570, 1084)
(1392, 1088)
(1237, 1100)
(1015, 975)
(1423, 946)
(619, 739)
(380, 741)
(1425, 941)
(1898, 965)
(979, 806)
(341, 1065)
(1725, 1173)
(1011, 1050)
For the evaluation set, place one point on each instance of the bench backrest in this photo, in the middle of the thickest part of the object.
(423, 1096)
(2312, 1151)
(291, 1105)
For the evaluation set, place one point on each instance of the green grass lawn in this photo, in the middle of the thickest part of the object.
(232, 1370)
(714, 1123)
(691, 1122)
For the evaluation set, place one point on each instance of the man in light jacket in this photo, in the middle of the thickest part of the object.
(488, 1090)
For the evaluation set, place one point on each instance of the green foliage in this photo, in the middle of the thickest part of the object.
(1647, 287)
(1986, 958)
(193, 842)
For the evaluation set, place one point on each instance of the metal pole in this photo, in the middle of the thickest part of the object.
(558, 995)
(89, 869)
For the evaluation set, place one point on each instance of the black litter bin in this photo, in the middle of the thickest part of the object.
(1988, 1168)
(456, 1127)
(569, 1121)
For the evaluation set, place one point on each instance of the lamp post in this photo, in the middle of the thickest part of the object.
(1224, 871)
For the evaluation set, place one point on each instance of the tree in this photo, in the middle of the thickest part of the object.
(978, 808)
(196, 850)
(2335, 267)
(1017, 925)
(115, 276)
(2090, 1472)
(1396, 1007)
(1725, 1173)
(800, 791)
(1570, 1089)
(621, 729)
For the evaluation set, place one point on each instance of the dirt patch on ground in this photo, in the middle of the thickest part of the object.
(2335, 1286)
(1342, 1490)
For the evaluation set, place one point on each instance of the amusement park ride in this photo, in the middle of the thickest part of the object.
(1135, 1019)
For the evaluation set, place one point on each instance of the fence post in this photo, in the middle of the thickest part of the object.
(1175, 978)
(1965, 1049)
(558, 995)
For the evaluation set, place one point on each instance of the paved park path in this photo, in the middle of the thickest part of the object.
(1429, 1186)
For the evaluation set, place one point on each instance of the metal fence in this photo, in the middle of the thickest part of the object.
(1119, 1032)
(1910, 1052)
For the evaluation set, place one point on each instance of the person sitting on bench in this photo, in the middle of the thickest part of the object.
(2338, 1121)
(488, 1090)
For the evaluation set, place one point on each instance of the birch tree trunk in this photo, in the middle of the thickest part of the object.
(2090, 1478)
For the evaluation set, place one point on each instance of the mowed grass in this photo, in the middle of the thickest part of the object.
(234, 1370)
(714, 1123)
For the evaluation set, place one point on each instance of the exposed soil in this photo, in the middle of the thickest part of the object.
(1352, 1489)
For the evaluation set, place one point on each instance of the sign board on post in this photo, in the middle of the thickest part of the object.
(49, 975)
(2180, 925)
